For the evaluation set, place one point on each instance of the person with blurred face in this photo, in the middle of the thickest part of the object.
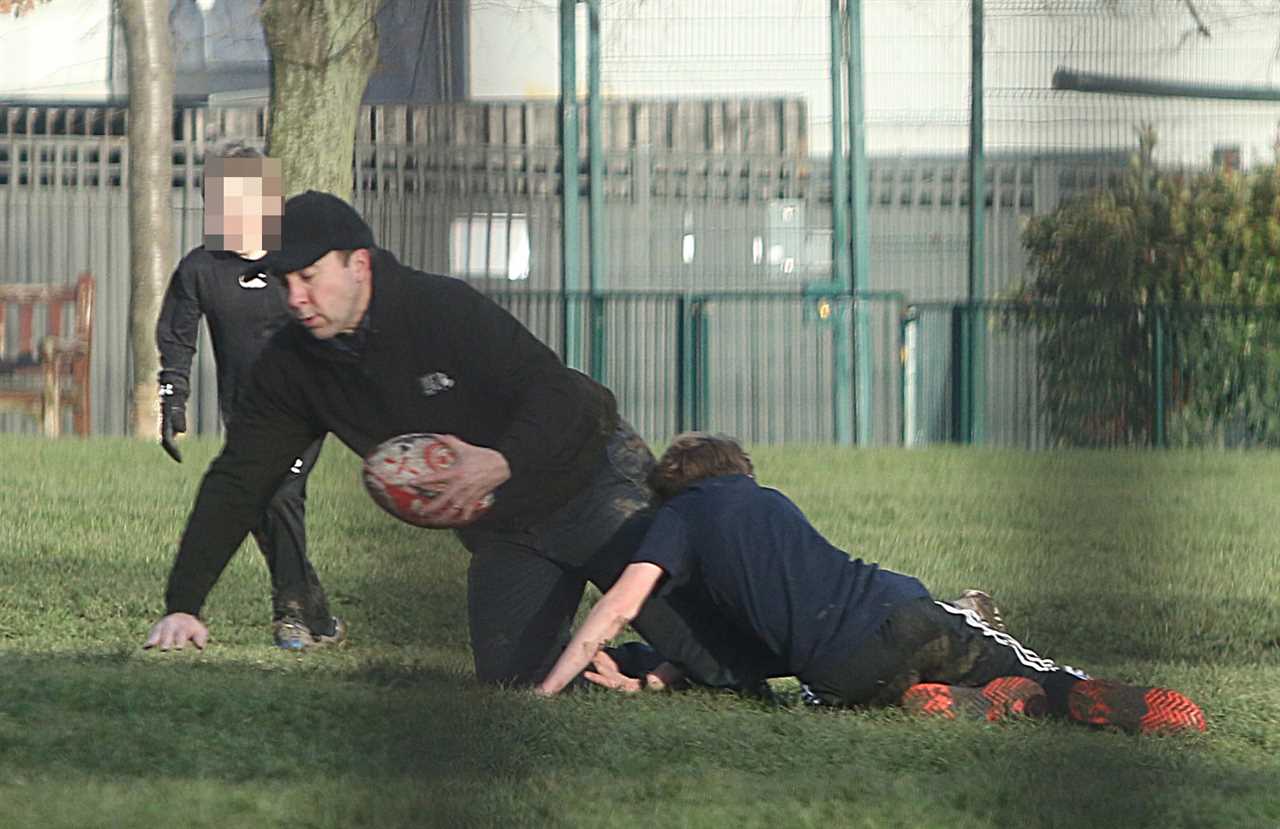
(243, 193)
(224, 282)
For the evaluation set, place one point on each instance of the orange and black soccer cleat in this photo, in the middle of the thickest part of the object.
(1133, 708)
(1001, 698)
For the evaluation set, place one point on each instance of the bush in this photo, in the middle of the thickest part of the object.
(1187, 263)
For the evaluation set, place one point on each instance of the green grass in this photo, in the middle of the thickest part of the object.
(1148, 567)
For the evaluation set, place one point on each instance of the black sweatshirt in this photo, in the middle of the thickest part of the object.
(431, 355)
(242, 307)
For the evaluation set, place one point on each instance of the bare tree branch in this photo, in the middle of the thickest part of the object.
(1201, 29)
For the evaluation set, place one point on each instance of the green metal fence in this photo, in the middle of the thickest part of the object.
(765, 367)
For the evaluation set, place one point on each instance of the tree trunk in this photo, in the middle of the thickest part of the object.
(150, 59)
(322, 53)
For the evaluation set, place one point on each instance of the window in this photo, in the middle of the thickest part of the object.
(490, 245)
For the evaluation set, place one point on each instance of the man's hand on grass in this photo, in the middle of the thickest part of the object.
(175, 631)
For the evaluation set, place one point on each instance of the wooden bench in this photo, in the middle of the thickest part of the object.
(48, 371)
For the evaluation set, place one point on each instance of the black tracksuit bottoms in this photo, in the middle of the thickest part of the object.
(924, 640)
(281, 535)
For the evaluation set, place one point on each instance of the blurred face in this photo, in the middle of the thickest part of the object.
(330, 295)
(243, 201)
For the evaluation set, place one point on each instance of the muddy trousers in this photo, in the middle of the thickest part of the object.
(930, 641)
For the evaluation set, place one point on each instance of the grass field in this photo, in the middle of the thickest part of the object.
(1159, 568)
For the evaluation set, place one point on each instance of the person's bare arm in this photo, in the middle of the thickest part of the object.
(615, 609)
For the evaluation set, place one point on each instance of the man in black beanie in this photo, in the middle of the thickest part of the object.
(377, 350)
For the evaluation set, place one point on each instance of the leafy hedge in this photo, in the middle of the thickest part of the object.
(1187, 261)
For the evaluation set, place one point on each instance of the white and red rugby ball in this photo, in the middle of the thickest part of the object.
(392, 472)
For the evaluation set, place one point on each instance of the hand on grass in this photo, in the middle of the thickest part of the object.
(175, 631)
(607, 675)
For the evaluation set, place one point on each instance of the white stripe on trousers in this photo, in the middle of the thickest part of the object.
(1024, 654)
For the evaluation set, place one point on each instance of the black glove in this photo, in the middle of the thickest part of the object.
(173, 421)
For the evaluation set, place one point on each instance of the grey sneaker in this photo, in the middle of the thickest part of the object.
(292, 634)
(980, 602)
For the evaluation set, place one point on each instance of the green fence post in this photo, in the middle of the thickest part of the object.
(693, 396)
(861, 208)
(684, 366)
(842, 399)
(598, 328)
(702, 364)
(595, 166)
(1158, 437)
(570, 239)
(975, 358)
(961, 373)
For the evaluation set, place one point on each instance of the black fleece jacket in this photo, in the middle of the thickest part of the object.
(431, 355)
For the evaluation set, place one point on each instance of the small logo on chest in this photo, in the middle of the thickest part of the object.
(253, 281)
(434, 383)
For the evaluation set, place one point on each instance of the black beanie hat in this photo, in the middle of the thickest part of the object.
(313, 224)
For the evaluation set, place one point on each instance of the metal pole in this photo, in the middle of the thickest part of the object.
(1069, 79)
(684, 362)
(1158, 437)
(595, 155)
(701, 364)
(570, 240)
(975, 391)
(860, 192)
(842, 394)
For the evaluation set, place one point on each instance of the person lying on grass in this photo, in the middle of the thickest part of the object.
(852, 632)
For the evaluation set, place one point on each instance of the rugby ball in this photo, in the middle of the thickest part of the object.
(392, 473)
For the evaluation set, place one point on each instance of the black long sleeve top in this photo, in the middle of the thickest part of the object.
(242, 307)
(431, 355)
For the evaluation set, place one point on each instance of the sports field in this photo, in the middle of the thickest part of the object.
(1160, 568)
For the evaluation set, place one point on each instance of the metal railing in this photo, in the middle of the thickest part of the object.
(768, 368)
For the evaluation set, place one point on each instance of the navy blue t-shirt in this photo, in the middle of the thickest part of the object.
(751, 553)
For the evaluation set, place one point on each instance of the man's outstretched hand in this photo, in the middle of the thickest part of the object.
(175, 631)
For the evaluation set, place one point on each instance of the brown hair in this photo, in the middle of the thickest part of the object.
(693, 456)
(227, 149)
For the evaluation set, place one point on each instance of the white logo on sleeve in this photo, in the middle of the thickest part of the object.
(434, 383)
(256, 280)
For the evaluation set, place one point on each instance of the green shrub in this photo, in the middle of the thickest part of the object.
(1187, 262)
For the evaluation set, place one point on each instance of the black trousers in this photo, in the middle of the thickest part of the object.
(524, 587)
(931, 641)
(281, 535)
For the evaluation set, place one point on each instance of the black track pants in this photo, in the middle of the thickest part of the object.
(931, 641)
